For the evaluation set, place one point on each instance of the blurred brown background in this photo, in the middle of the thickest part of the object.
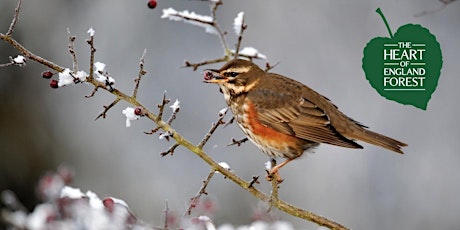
(319, 43)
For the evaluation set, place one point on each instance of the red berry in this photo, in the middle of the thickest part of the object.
(152, 4)
(54, 84)
(47, 74)
(138, 111)
(109, 204)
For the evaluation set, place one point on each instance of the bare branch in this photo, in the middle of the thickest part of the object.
(72, 51)
(238, 142)
(90, 42)
(195, 199)
(92, 92)
(107, 108)
(29, 55)
(15, 19)
(8, 64)
(164, 102)
(268, 67)
(161, 107)
(142, 72)
(240, 38)
(214, 6)
(213, 129)
(196, 65)
(173, 116)
(170, 150)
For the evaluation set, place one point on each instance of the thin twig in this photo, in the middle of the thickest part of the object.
(240, 38)
(268, 66)
(255, 180)
(170, 150)
(208, 62)
(8, 64)
(92, 92)
(90, 42)
(238, 142)
(107, 108)
(28, 54)
(72, 51)
(15, 19)
(161, 106)
(194, 200)
(173, 116)
(229, 122)
(142, 72)
(213, 129)
(214, 6)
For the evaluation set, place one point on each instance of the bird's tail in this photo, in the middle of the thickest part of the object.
(379, 140)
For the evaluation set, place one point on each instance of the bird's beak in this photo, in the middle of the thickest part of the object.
(213, 76)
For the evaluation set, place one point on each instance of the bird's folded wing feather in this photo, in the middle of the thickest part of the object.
(295, 115)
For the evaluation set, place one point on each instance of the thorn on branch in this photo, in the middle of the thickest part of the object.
(229, 122)
(93, 92)
(152, 131)
(170, 150)
(238, 142)
(255, 180)
(268, 67)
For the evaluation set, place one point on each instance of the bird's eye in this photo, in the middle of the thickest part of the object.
(233, 74)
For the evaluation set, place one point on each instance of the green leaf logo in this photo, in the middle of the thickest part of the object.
(405, 67)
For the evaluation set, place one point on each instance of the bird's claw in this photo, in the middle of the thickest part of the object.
(273, 174)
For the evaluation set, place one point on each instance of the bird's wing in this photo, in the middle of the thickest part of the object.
(293, 114)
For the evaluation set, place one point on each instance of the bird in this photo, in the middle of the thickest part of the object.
(285, 118)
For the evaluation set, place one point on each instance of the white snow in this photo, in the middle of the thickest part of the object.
(238, 23)
(252, 52)
(130, 115)
(175, 106)
(91, 31)
(73, 193)
(190, 17)
(223, 111)
(65, 78)
(19, 60)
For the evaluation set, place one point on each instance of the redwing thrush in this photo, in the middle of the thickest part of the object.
(283, 117)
